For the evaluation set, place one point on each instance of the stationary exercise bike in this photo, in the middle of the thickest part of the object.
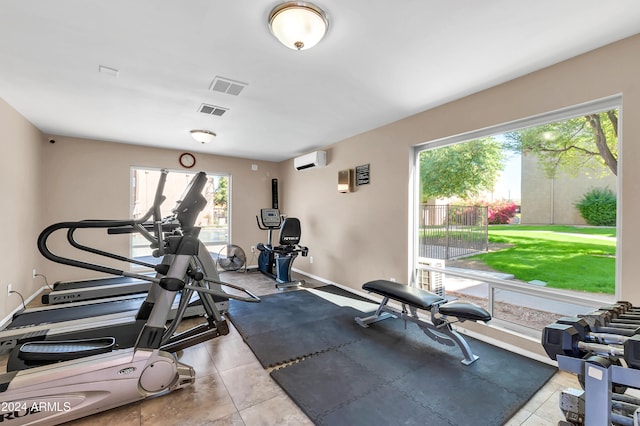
(94, 382)
(276, 261)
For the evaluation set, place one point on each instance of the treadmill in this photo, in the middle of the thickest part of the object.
(98, 288)
(90, 311)
(125, 305)
(120, 318)
(75, 291)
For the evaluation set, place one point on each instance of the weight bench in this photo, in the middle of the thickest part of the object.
(412, 299)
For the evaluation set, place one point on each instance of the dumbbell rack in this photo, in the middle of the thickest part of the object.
(598, 382)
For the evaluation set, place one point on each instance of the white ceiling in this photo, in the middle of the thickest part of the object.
(380, 61)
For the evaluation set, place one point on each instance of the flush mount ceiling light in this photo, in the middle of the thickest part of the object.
(203, 136)
(298, 25)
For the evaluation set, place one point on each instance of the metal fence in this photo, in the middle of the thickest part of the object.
(447, 232)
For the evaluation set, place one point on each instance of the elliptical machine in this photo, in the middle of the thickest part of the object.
(94, 382)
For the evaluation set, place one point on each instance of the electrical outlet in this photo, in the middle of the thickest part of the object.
(393, 280)
(34, 273)
(310, 259)
(253, 249)
(8, 289)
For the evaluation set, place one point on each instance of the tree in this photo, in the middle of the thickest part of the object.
(588, 142)
(221, 193)
(462, 170)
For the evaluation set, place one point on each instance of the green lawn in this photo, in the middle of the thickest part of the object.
(565, 257)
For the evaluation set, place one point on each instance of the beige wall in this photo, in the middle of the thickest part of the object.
(359, 236)
(553, 201)
(20, 191)
(364, 235)
(91, 180)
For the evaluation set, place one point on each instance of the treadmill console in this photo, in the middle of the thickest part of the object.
(270, 218)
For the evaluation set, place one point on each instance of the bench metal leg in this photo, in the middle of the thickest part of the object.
(364, 322)
(379, 315)
(454, 338)
(442, 333)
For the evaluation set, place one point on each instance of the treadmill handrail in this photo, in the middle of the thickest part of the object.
(85, 224)
(88, 249)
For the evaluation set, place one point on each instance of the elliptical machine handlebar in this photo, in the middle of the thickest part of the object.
(157, 214)
(252, 298)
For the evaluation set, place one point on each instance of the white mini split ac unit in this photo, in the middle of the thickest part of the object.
(313, 159)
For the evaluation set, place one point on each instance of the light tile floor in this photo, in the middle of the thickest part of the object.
(232, 388)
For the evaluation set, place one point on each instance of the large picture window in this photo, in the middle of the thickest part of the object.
(523, 215)
(213, 220)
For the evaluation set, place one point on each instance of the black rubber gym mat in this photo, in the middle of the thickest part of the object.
(303, 323)
(384, 374)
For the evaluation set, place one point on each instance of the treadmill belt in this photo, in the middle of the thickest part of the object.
(75, 312)
(73, 285)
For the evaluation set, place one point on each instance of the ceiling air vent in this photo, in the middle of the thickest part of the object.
(226, 85)
(212, 110)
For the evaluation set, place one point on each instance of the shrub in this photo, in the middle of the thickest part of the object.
(501, 212)
(598, 207)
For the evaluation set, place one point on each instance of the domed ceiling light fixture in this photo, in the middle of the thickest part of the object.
(298, 25)
(203, 136)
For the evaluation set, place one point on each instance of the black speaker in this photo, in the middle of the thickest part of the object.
(274, 193)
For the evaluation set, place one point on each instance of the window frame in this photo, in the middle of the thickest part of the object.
(595, 106)
(133, 183)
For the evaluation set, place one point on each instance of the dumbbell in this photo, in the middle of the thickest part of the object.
(564, 339)
(600, 321)
(612, 318)
(621, 312)
(605, 335)
(627, 306)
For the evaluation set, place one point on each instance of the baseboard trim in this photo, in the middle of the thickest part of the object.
(342, 286)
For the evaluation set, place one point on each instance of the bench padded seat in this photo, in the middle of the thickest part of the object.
(464, 310)
(412, 296)
(423, 299)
